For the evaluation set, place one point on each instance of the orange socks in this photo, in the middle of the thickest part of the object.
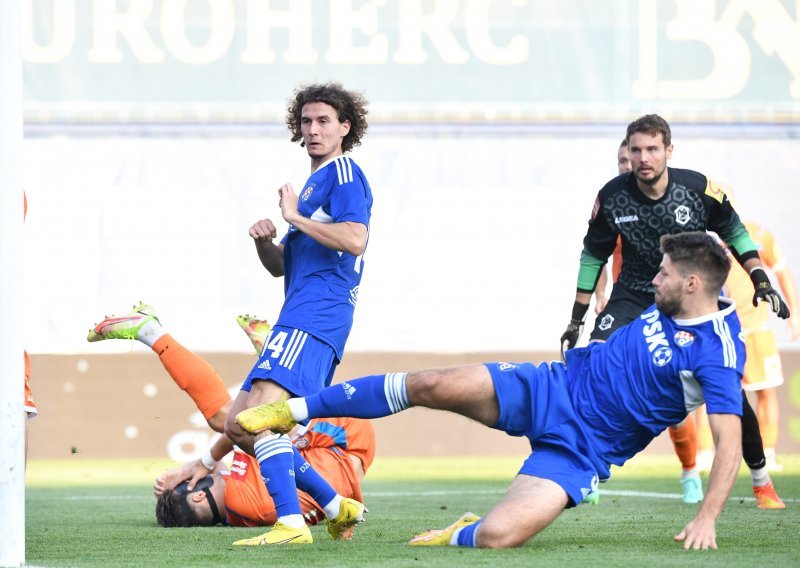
(193, 374)
(684, 438)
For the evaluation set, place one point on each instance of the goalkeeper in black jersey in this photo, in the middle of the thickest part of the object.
(637, 208)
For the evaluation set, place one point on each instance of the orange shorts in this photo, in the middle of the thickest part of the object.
(29, 404)
(763, 369)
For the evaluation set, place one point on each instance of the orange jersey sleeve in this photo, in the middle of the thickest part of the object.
(616, 262)
(29, 405)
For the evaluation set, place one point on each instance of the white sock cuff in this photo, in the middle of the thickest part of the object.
(269, 446)
(298, 408)
(150, 332)
(760, 476)
(394, 387)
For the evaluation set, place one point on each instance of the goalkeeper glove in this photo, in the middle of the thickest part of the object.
(765, 291)
(573, 332)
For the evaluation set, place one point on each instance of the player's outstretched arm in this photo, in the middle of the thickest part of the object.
(701, 533)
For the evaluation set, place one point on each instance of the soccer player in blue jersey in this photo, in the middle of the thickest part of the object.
(600, 408)
(630, 214)
(321, 260)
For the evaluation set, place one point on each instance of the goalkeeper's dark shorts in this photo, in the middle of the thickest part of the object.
(624, 306)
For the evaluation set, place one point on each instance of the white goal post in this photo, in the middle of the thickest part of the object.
(12, 416)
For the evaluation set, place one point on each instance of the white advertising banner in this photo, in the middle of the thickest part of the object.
(474, 244)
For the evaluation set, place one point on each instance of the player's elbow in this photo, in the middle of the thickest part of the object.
(356, 240)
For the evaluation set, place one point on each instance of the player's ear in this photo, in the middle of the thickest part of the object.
(197, 496)
(692, 283)
(669, 151)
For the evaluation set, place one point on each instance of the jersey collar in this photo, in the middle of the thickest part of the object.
(727, 306)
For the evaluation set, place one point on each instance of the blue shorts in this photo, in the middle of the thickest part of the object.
(534, 402)
(297, 361)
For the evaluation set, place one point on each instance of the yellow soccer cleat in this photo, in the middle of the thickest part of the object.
(442, 537)
(275, 417)
(767, 497)
(351, 512)
(257, 330)
(279, 534)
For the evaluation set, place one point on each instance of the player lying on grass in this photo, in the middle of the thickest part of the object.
(205, 491)
(600, 408)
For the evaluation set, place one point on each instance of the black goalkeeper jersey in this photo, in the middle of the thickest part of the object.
(692, 202)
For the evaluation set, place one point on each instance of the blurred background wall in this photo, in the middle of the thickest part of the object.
(154, 138)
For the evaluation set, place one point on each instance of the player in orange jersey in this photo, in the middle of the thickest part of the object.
(762, 372)
(205, 491)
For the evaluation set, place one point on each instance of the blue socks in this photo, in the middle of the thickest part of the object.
(311, 482)
(275, 455)
(368, 397)
(466, 535)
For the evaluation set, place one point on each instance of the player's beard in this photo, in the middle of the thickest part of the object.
(654, 180)
(669, 305)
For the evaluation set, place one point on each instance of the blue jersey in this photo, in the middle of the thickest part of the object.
(321, 284)
(650, 374)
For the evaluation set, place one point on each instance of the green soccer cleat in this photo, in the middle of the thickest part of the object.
(592, 498)
(279, 534)
(351, 512)
(257, 330)
(123, 327)
(692, 490)
(275, 417)
(442, 537)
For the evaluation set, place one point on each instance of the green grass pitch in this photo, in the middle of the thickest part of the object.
(101, 513)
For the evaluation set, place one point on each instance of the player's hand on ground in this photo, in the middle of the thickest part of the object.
(699, 534)
(263, 230)
(288, 202)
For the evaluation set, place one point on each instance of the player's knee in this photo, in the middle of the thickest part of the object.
(492, 535)
(423, 387)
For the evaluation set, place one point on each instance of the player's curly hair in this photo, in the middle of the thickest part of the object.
(698, 252)
(651, 124)
(350, 106)
(169, 512)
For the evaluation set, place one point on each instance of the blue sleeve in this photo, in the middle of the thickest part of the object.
(350, 201)
(722, 389)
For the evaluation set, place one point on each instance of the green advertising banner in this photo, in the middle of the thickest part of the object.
(417, 60)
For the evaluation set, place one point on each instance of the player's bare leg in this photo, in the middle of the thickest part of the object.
(530, 505)
(467, 390)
